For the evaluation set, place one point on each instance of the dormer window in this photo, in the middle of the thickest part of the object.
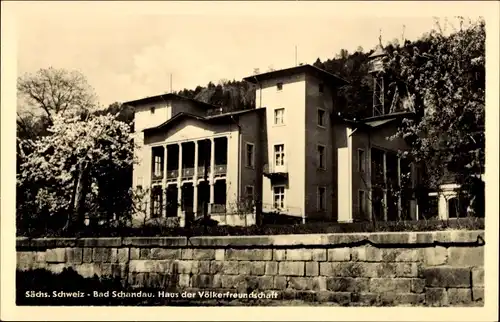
(152, 109)
(279, 86)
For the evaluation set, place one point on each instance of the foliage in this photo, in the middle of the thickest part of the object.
(71, 169)
(447, 85)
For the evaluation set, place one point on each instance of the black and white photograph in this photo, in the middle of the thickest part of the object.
(230, 154)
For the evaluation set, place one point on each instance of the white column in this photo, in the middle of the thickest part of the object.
(180, 162)
(212, 159)
(400, 188)
(384, 162)
(195, 161)
(164, 182)
(195, 197)
(212, 195)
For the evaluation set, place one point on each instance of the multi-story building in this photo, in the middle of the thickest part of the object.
(291, 156)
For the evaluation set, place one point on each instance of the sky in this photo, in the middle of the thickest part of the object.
(130, 54)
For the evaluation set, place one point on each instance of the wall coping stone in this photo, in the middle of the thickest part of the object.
(296, 240)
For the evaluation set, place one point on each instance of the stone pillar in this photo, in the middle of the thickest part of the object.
(180, 162)
(164, 183)
(180, 212)
(399, 185)
(195, 162)
(212, 160)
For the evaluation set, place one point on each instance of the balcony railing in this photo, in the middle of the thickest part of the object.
(275, 171)
(201, 172)
(157, 176)
(217, 208)
(172, 174)
(187, 172)
(220, 169)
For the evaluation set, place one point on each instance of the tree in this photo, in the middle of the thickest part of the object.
(52, 92)
(64, 174)
(446, 82)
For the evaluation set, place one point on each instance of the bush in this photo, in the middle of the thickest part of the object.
(272, 229)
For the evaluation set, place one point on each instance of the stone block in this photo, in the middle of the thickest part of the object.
(434, 256)
(478, 277)
(319, 255)
(459, 296)
(399, 285)
(25, 260)
(74, 255)
(144, 253)
(265, 283)
(302, 254)
(271, 268)
(392, 238)
(466, 256)
(291, 268)
(56, 255)
(347, 284)
(306, 296)
(105, 269)
(216, 267)
(382, 269)
(202, 281)
(217, 281)
(312, 268)
(340, 298)
(417, 285)
(185, 267)
(249, 254)
(280, 282)
(56, 268)
(114, 255)
(204, 267)
(165, 253)
(99, 242)
(155, 241)
(300, 283)
(257, 268)
(447, 277)
(119, 270)
(204, 254)
(122, 255)
(219, 254)
(187, 253)
(142, 266)
(400, 255)
(436, 296)
(40, 257)
(279, 254)
(397, 299)
(230, 268)
(407, 269)
(135, 253)
(339, 254)
(343, 269)
(101, 255)
(85, 270)
(364, 299)
(478, 294)
(87, 255)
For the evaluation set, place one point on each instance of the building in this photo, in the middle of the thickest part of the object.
(292, 156)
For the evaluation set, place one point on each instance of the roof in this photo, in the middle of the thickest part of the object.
(167, 97)
(309, 69)
(219, 118)
(379, 51)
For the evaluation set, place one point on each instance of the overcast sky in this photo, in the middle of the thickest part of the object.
(128, 53)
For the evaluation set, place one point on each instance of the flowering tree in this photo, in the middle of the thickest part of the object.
(446, 84)
(63, 174)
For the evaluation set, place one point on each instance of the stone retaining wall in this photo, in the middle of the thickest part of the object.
(421, 268)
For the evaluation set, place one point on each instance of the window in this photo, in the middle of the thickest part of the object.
(250, 155)
(249, 193)
(158, 168)
(152, 109)
(321, 117)
(321, 198)
(321, 87)
(362, 204)
(279, 155)
(156, 202)
(279, 86)
(279, 197)
(321, 157)
(361, 160)
(279, 115)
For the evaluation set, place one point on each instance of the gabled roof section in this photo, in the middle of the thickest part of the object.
(308, 69)
(168, 97)
(213, 119)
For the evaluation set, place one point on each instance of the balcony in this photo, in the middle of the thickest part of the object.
(201, 172)
(172, 174)
(155, 177)
(187, 173)
(217, 208)
(220, 170)
(276, 172)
